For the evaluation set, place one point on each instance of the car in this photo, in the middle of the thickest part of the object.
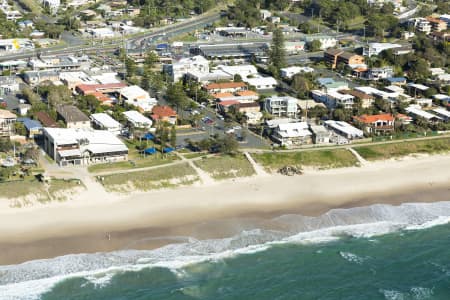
(229, 131)
(220, 117)
(237, 127)
(195, 112)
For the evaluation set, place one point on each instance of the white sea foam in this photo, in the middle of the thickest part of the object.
(353, 258)
(31, 279)
(421, 293)
(392, 295)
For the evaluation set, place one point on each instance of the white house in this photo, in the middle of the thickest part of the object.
(104, 122)
(416, 112)
(135, 95)
(344, 129)
(291, 71)
(137, 119)
(102, 33)
(281, 106)
(326, 41)
(262, 83)
(376, 48)
(291, 134)
(242, 70)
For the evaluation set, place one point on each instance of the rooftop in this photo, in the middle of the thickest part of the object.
(225, 85)
(163, 111)
(369, 119)
(71, 113)
(105, 120)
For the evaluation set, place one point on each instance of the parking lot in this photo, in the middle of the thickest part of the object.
(211, 125)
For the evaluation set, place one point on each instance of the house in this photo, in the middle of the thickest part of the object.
(83, 146)
(7, 120)
(442, 113)
(104, 121)
(135, 95)
(376, 48)
(73, 79)
(416, 112)
(253, 118)
(344, 129)
(224, 106)
(8, 85)
(137, 120)
(164, 114)
(225, 87)
(289, 72)
(326, 41)
(281, 106)
(37, 77)
(45, 119)
(333, 98)
(33, 127)
(265, 14)
(320, 134)
(363, 98)
(381, 123)
(262, 83)
(103, 92)
(244, 71)
(400, 81)
(291, 134)
(73, 117)
(379, 73)
(249, 107)
(437, 24)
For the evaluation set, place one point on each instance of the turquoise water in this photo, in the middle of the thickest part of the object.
(396, 253)
(404, 265)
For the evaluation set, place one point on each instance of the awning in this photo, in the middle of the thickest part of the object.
(70, 153)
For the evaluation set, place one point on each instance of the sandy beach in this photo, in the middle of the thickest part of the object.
(92, 223)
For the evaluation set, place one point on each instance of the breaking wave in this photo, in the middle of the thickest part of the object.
(31, 279)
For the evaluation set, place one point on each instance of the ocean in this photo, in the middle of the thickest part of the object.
(374, 252)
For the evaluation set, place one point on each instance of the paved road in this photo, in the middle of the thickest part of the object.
(170, 30)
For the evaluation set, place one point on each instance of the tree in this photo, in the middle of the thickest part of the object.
(277, 51)
(176, 96)
(228, 144)
(130, 66)
(173, 136)
(314, 46)
(151, 58)
(20, 129)
(30, 96)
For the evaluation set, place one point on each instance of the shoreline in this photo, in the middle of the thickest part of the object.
(153, 219)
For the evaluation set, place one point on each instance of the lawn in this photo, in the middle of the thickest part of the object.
(386, 151)
(322, 159)
(195, 154)
(137, 162)
(226, 166)
(164, 177)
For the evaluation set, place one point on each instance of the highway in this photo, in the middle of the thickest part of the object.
(166, 32)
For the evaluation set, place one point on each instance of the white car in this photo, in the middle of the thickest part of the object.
(237, 127)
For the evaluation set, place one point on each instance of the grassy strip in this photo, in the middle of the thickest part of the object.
(322, 159)
(149, 161)
(21, 188)
(164, 177)
(195, 155)
(224, 167)
(59, 189)
(387, 151)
